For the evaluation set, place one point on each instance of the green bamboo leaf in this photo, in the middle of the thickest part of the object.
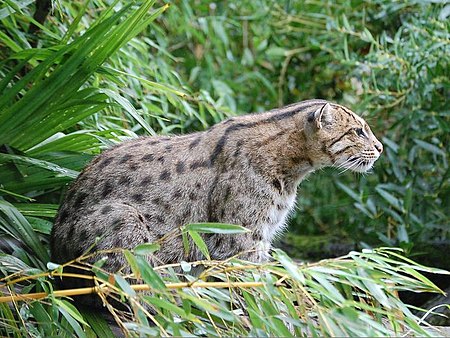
(346, 24)
(279, 326)
(172, 308)
(258, 322)
(200, 243)
(255, 76)
(276, 51)
(37, 209)
(218, 26)
(7, 41)
(430, 147)
(132, 262)
(345, 47)
(13, 8)
(125, 104)
(200, 303)
(73, 26)
(72, 315)
(391, 144)
(11, 74)
(419, 276)
(187, 306)
(363, 209)
(185, 241)
(349, 191)
(332, 291)
(40, 225)
(402, 234)
(391, 199)
(60, 120)
(33, 75)
(42, 316)
(18, 196)
(38, 182)
(149, 275)
(34, 54)
(41, 164)
(71, 310)
(216, 228)
(398, 257)
(124, 285)
(163, 88)
(12, 265)
(375, 289)
(289, 265)
(17, 226)
(367, 36)
(79, 141)
(146, 248)
(97, 322)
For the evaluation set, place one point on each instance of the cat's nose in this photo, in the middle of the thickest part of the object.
(379, 147)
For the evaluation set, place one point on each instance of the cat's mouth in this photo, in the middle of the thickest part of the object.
(360, 163)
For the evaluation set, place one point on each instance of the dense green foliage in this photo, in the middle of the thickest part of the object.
(387, 61)
(84, 82)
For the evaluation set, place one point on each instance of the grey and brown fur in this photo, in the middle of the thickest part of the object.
(243, 171)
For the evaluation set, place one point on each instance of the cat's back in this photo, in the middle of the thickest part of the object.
(151, 168)
(137, 169)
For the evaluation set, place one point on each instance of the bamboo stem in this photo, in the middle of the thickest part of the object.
(138, 287)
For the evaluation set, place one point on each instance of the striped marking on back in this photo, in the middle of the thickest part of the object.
(277, 115)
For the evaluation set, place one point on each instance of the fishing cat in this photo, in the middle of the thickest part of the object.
(243, 171)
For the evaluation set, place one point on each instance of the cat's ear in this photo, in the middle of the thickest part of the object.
(322, 116)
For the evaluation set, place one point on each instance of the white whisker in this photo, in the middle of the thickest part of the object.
(349, 164)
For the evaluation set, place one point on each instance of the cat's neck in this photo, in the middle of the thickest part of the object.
(272, 144)
(282, 155)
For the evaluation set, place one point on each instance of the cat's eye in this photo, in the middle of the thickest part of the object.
(360, 132)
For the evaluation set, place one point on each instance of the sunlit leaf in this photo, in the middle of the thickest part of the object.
(216, 228)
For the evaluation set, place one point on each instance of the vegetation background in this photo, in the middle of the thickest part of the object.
(83, 78)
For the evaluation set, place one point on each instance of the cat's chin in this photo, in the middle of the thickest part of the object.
(363, 168)
(358, 166)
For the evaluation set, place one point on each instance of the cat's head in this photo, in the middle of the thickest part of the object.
(346, 140)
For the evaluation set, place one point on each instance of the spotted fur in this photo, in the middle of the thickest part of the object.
(244, 171)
